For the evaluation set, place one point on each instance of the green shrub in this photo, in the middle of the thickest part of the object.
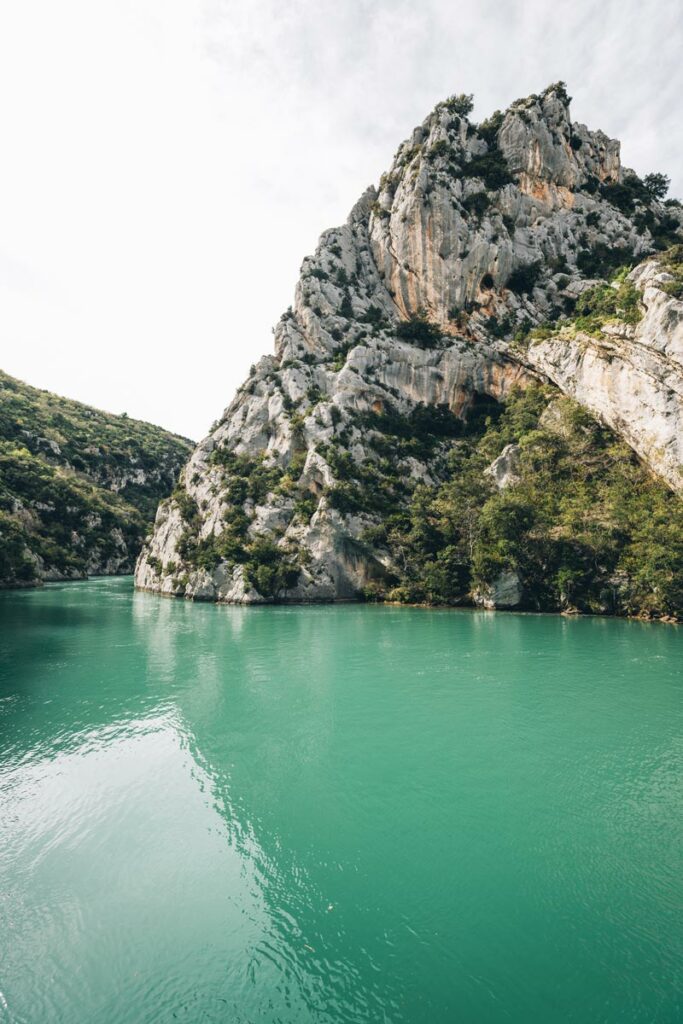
(185, 504)
(603, 260)
(561, 89)
(500, 327)
(419, 330)
(271, 569)
(666, 231)
(673, 263)
(305, 507)
(524, 278)
(598, 305)
(346, 308)
(380, 211)
(491, 167)
(341, 354)
(674, 288)
(440, 148)
(477, 203)
(656, 185)
(489, 128)
(462, 104)
(626, 194)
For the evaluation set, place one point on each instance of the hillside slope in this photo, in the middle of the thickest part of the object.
(515, 257)
(78, 487)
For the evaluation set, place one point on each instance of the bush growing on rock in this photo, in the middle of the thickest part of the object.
(477, 203)
(489, 128)
(598, 305)
(270, 569)
(462, 104)
(656, 185)
(490, 167)
(601, 260)
(524, 278)
(419, 330)
(586, 525)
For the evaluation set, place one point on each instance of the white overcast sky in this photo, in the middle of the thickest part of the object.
(165, 165)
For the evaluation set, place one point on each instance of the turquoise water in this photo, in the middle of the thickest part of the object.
(335, 814)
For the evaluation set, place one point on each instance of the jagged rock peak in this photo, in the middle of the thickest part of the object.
(428, 298)
(535, 136)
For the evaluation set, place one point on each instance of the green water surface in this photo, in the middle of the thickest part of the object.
(335, 814)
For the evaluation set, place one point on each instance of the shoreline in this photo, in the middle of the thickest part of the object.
(569, 614)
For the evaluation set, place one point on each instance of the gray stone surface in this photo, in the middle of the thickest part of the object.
(421, 242)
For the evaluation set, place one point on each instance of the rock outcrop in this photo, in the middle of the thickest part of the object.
(504, 469)
(428, 299)
(630, 376)
(505, 591)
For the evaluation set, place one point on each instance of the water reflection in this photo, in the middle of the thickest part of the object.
(239, 709)
(332, 814)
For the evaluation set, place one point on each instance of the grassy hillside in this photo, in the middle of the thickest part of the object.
(78, 487)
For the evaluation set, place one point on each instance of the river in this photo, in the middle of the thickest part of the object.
(335, 814)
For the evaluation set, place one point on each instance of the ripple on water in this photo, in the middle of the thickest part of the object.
(335, 814)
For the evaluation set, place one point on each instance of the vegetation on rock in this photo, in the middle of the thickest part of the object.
(618, 301)
(419, 330)
(78, 487)
(585, 526)
(268, 568)
(673, 263)
(352, 461)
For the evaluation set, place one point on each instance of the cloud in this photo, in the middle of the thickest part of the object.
(168, 163)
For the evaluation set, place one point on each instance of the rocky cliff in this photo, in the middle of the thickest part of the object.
(492, 260)
(78, 487)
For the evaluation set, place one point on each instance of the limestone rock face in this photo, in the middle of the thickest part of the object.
(542, 145)
(475, 234)
(630, 377)
(442, 243)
